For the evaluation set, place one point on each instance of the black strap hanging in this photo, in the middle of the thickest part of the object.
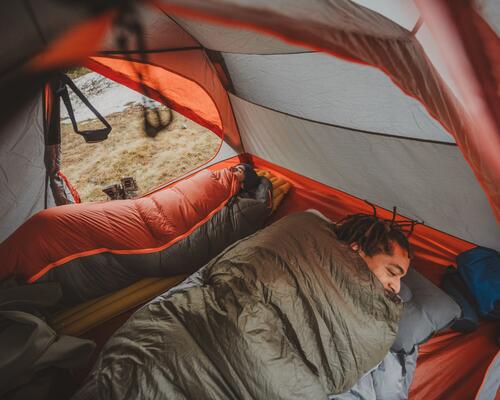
(129, 27)
(90, 135)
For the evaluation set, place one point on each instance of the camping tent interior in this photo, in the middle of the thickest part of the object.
(346, 100)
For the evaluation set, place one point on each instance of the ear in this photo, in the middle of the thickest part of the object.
(355, 247)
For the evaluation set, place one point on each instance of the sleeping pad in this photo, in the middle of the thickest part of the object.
(96, 248)
(287, 313)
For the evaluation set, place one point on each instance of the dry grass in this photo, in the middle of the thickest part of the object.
(181, 147)
(76, 72)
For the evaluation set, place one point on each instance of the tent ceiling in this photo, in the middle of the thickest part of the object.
(236, 40)
(404, 13)
(160, 32)
(12, 40)
(490, 11)
(36, 23)
(342, 14)
(336, 92)
(424, 180)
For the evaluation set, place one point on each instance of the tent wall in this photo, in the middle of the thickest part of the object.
(388, 171)
(22, 168)
(389, 150)
(326, 89)
(353, 32)
(339, 27)
(452, 365)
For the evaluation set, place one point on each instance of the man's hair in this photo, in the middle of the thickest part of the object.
(372, 234)
(251, 177)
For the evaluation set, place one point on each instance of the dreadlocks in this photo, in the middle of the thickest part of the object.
(374, 235)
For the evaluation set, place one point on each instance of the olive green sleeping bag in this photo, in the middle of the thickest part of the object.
(287, 313)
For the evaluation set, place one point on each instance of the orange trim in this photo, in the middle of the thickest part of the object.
(451, 365)
(47, 93)
(71, 188)
(71, 257)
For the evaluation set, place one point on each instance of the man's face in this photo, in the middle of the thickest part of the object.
(389, 269)
(239, 172)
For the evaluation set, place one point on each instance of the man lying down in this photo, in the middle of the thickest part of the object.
(299, 310)
(92, 249)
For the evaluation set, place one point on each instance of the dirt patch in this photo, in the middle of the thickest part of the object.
(183, 146)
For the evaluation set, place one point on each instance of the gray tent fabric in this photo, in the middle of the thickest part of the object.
(52, 18)
(160, 32)
(404, 13)
(88, 277)
(368, 96)
(235, 40)
(388, 171)
(22, 168)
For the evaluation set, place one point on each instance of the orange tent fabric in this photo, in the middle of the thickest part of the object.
(190, 85)
(57, 235)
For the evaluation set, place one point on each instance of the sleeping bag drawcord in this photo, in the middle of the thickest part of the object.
(235, 200)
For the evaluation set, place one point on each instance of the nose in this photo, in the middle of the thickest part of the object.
(395, 285)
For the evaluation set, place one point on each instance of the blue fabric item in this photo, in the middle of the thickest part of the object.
(480, 270)
(390, 380)
(428, 311)
(454, 285)
(405, 293)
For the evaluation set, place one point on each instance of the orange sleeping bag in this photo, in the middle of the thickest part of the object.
(56, 236)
